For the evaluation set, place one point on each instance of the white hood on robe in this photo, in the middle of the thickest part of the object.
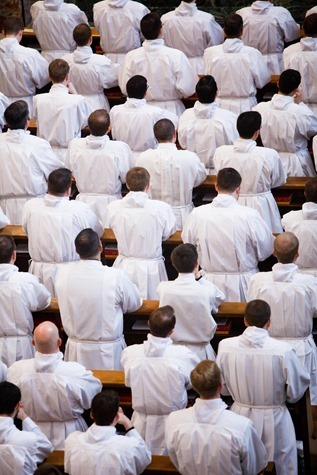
(7, 426)
(281, 102)
(152, 45)
(232, 45)
(186, 9)
(132, 103)
(253, 337)
(308, 44)
(244, 145)
(99, 434)
(135, 199)
(16, 136)
(117, 3)
(52, 4)
(8, 45)
(155, 346)
(309, 210)
(224, 201)
(284, 272)
(51, 200)
(46, 363)
(204, 111)
(7, 271)
(209, 410)
(261, 7)
(82, 54)
(96, 143)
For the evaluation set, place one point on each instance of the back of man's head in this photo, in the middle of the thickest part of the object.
(46, 338)
(47, 469)
(58, 70)
(104, 408)
(164, 130)
(59, 181)
(136, 87)
(137, 179)
(233, 26)
(12, 25)
(82, 34)
(162, 321)
(257, 313)
(206, 89)
(248, 123)
(289, 81)
(310, 25)
(151, 26)
(99, 122)
(10, 396)
(16, 115)
(7, 248)
(206, 379)
(286, 248)
(87, 244)
(228, 180)
(311, 190)
(184, 258)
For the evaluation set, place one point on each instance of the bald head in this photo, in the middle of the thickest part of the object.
(286, 248)
(46, 338)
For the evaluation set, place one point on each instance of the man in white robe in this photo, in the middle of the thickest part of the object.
(4, 102)
(92, 300)
(25, 163)
(193, 299)
(167, 70)
(99, 165)
(140, 225)
(27, 447)
(90, 73)
(53, 22)
(67, 386)
(187, 22)
(267, 28)
(205, 127)
(52, 223)
(158, 373)
(206, 438)
(259, 392)
(3, 372)
(20, 295)
(260, 168)
(22, 70)
(288, 124)
(118, 22)
(238, 69)
(100, 450)
(174, 173)
(292, 297)
(230, 238)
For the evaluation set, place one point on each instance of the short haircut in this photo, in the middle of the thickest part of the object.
(248, 123)
(206, 89)
(184, 258)
(99, 122)
(10, 395)
(7, 247)
(58, 70)
(289, 81)
(310, 25)
(206, 379)
(162, 321)
(286, 247)
(151, 26)
(164, 130)
(104, 407)
(47, 469)
(233, 25)
(12, 25)
(311, 190)
(16, 115)
(257, 313)
(59, 181)
(137, 179)
(137, 86)
(228, 179)
(87, 243)
(82, 34)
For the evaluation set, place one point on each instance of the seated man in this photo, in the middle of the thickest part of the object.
(140, 225)
(92, 300)
(260, 168)
(20, 295)
(158, 373)
(55, 393)
(52, 223)
(174, 173)
(259, 393)
(206, 438)
(193, 299)
(100, 450)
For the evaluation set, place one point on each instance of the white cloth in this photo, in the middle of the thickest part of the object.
(174, 173)
(92, 300)
(238, 71)
(230, 241)
(311, 11)
(193, 303)
(100, 450)
(91, 74)
(4, 102)
(158, 373)
(53, 22)
(293, 300)
(140, 225)
(168, 72)
(22, 70)
(20, 295)
(3, 372)
(52, 224)
(266, 28)
(25, 163)
(186, 22)
(287, 127)
(207, 439)
(261, 374)
(55, 393)
(261, 169)
(4, 220)
(99, 166)
(205, 127)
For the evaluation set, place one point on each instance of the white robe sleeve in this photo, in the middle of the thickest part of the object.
(288, 25)
(170, 223)
(4, 220)
(201, 173)
(141, 452)
(36, 294)
(262, 237)
(216, 296)
(297, 380)
(42, 446)
(88, 384)
(127, 294)
(254, 455)
(3, 372)
(259, 70)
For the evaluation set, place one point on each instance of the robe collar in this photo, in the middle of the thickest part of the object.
(244, 145)
(186, 9)
(253, 337)
(16, 136)
(205, 111)
(46, 363)
(284, 272)
(155, 346)
(209, 410)
(133, 103)
(309, 210)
